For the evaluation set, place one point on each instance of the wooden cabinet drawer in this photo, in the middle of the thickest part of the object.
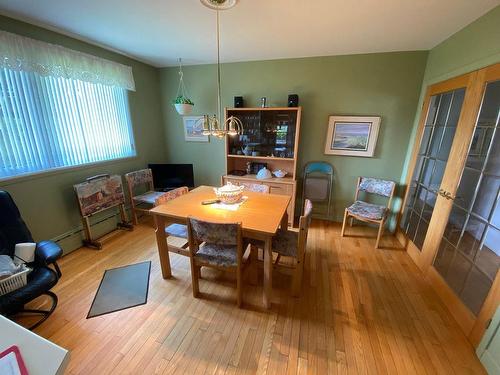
(280, 189)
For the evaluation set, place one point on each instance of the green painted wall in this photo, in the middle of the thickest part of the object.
(385, 84)
(475, 46)
(47, 201)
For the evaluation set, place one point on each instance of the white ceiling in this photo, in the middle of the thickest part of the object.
(160, 31)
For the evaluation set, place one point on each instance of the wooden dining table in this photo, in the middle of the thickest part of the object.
(260, 216)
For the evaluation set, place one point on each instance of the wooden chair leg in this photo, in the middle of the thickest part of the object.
(254, 272)
(134, 215)
(380, 231)
(239, 287)
(194, 277)
(351, 222)
(343, 223)
(297, 277)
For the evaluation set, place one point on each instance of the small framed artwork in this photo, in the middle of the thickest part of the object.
(352, 135)
(193, 129)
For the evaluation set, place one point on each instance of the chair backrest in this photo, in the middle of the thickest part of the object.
(318, 167)
(141, 177)
(226, 234)
(258, 188)
(376, 186)
(304, 222)
(13, 229)
(317, 181)
(172, 194)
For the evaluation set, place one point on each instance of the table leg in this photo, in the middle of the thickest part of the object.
(268, 273)
(161, 241)
(284, 221)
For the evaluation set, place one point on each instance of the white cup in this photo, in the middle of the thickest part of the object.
(25, 251)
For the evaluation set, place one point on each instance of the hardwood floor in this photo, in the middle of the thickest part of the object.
(361, 310)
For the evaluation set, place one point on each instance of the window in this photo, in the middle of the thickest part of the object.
(60, 108)
(54, 122)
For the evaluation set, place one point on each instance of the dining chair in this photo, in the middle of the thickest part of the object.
(287, 243)
(215, 245)
(175, 230)
(141, 202)
(257, 188)
(369, 212)
(317, 183)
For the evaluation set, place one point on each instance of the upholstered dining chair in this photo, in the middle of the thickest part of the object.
(215, 245)
(144, 201)
(289, 243)
(177, 230)
(369, 212)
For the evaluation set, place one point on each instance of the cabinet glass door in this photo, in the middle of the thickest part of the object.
(439, 131)
(468, 257)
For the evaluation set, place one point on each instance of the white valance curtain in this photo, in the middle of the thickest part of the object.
(29, 55)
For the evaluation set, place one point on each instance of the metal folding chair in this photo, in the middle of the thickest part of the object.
(318, 182)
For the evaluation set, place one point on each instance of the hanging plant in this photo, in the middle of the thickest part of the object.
(183, 104)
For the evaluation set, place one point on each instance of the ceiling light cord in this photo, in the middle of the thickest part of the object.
(219, 103)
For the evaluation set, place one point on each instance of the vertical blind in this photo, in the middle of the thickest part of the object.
(49, 122)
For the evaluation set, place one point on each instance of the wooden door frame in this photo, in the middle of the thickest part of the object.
(475, 83)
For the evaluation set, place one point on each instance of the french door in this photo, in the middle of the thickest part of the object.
(451, 216)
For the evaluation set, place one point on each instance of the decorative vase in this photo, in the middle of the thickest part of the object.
(183, 109)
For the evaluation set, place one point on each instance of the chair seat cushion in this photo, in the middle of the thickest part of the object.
(218, 255)
(149, 197)
(285, 243)
(177, 230)
(367, 210)
(40, 280)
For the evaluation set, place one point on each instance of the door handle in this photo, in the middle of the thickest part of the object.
(446, 194)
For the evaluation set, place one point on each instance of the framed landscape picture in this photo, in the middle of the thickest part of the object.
(352, 135)
(193, 129)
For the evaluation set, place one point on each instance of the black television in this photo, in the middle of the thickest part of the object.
(170, 176)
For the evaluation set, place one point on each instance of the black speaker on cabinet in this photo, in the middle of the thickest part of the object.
(293, 100)
(238, 102)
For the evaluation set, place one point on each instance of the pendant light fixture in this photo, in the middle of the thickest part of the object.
(216, 125)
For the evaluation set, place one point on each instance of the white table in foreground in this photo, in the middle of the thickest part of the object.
(40, 356)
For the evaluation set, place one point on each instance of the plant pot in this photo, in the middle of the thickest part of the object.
(183, 109)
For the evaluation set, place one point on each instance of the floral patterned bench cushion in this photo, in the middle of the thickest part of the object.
(367, 210)
(218, 255)
(376, 186)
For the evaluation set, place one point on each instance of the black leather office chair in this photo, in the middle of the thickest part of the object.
(13, 230)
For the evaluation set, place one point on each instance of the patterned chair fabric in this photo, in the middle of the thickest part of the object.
(143, 176)
(367, 210)
(219, 242)
(218, 255)
(285, 242)
(214, 233)
(169, 195)
(258, 188)
(376, 186)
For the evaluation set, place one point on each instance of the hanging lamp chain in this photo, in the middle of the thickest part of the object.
(181, 89)
(216, 125)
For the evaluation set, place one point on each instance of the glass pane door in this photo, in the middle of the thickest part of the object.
(469, 254)
(440, 125)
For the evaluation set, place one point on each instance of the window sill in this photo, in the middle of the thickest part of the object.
(6, 181)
